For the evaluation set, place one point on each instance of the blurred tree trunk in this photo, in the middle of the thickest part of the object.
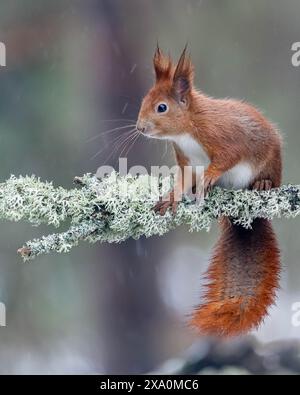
(132, 310)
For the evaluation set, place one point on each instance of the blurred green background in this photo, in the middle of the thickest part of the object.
(71, 67)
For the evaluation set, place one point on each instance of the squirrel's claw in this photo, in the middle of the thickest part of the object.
(208, 185)
(204, 190)
(262, 185)
(163, 205)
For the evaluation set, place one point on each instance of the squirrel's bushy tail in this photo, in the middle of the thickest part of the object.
(242, 280)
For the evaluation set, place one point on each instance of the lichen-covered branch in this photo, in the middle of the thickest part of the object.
(115, 208)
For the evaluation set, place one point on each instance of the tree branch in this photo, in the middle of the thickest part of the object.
(115, 208)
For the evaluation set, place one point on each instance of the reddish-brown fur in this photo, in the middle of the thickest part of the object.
(242, 280)
(243, 274)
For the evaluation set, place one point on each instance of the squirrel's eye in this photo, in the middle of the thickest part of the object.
(162, 107)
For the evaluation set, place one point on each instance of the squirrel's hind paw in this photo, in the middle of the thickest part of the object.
(262, 185)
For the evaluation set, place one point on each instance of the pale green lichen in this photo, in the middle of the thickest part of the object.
(115, 208)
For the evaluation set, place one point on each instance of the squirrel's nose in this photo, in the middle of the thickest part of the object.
(140, 127)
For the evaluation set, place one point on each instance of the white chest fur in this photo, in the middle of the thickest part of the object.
(238, 177)
(191, 150)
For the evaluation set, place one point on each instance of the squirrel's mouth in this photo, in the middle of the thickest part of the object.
(153, 134)
(149, 129)
(146, 128)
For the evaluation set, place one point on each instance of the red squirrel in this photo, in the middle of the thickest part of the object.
(241, 149)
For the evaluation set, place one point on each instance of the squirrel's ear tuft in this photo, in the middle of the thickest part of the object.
(162, 65)
(183, 77)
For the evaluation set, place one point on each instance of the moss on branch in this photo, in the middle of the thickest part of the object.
(116, 208)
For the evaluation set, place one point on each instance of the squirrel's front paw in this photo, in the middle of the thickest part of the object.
(204, 189)
(209, 182)
(165, 203)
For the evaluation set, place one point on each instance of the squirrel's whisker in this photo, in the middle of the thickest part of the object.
(137, 136)
(114, 141)
(132, 138)
(109, 131)
(118, 120)
(119, 143)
